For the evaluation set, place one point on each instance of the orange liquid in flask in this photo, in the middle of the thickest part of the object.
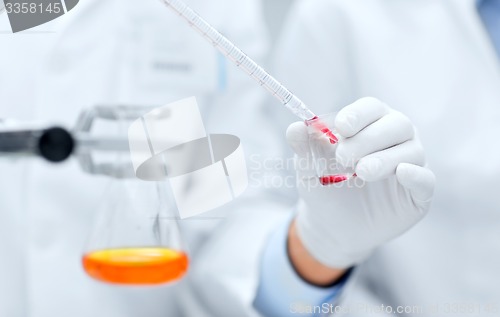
(136, 266)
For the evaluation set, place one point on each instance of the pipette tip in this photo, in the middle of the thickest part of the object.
(316, 123)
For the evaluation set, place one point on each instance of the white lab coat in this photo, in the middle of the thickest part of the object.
(433, 61)
(102, 52)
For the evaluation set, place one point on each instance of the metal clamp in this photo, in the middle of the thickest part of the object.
(89, 145)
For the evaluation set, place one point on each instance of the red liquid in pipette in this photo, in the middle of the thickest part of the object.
(317, 124)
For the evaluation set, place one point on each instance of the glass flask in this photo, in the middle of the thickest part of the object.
(323, 150)
(136, 238)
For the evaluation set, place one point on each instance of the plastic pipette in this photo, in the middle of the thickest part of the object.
(240, 59)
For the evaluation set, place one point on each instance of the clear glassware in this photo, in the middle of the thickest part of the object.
(136, 238)
(323, 149)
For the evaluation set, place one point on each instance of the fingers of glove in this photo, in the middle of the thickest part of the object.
(419, 181)
(298, 138)
(390, 130)
(357, 116)
(382, 164)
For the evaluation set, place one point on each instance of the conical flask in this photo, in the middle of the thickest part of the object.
(136, 238)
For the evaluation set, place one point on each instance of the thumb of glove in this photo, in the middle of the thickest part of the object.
(298, 139)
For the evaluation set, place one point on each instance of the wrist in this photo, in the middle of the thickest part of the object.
(306, 266)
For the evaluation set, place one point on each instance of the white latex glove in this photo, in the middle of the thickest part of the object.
(342, 224)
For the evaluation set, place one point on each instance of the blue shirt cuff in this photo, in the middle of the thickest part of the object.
(282, 292)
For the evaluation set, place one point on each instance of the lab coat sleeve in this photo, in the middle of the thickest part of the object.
(490, 14)
(281, 291)
(225, 273)
(312, 59)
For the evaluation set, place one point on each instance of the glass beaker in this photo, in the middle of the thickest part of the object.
(323, 150)
(136, 239)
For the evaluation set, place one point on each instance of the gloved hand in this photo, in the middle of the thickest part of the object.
(342, 224)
